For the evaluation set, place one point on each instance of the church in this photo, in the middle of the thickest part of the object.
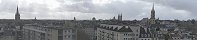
(112, 29)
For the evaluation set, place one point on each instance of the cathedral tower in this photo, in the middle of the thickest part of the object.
(120, 17)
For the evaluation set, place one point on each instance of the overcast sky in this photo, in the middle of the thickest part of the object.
(101, 9)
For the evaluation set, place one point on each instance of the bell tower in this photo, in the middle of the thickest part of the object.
(152, 19)
(152, 12)
(17, 15)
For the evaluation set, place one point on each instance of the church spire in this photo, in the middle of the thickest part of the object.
(17, 10)
(35, 18)
(153, 12)
(17, 15)
(74, 19)
(152, 19)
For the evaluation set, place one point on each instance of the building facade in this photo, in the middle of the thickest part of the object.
(40, 32)
(117, 32)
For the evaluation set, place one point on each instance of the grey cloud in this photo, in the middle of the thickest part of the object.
(35, 10)
(8, 6)
(130, 9)
(114, 7)
(188, 5)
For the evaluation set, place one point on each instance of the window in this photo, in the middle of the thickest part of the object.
(68, 36)
(68, 30)
(145, 35)
(125, 34)
(65, 36)
(136, 34)
(137, 30)
(136, 39)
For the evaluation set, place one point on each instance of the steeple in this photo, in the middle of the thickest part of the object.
(35, 18)
(74, 19)
(17, 15)
(152, 19)
(153, 12)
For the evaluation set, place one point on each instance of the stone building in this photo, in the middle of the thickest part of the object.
(40, 32)
(117, 32)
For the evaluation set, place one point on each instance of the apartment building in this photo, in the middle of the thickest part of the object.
(40, 32)
(118, 32)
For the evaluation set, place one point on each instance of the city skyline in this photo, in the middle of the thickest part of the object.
(88, 9)
(98, 20)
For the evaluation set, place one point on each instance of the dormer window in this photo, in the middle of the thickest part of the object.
(137, 30)
(142, 35)
(136, 34)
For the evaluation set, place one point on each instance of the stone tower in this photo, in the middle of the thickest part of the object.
(74, 19)
(17, 15)
(120, 17)
(152, 19)
(152, 12)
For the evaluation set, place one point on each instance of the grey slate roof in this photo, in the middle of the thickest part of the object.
(124, 29)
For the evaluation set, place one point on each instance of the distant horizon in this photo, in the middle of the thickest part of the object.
(98, 19)
(91, 19)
